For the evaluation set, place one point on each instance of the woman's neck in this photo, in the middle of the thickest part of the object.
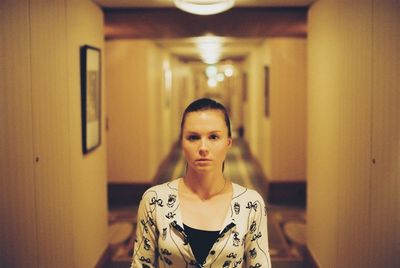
(205, 186)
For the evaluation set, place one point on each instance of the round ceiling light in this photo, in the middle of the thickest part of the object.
(204, 7)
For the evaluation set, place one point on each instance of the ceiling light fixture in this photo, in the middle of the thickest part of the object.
(204, 7)
(209, 48)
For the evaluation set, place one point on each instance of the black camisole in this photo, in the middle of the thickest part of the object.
(201, 241)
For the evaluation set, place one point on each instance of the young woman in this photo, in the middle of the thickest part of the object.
(202, 219)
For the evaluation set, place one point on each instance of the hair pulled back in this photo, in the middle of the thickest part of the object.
(205, 104)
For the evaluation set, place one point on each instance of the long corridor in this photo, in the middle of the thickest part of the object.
(91, 98)
(286, 223)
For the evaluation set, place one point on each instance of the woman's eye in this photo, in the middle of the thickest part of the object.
(192, 137)
(214, 137)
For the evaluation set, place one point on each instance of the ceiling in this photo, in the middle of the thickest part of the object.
(243, 29)
(233, 49)
(169, 3)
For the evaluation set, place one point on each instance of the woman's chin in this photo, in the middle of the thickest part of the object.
(203, 168)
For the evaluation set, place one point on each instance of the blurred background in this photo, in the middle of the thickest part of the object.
(311, 88)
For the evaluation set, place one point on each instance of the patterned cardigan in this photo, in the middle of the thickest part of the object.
(161, 240)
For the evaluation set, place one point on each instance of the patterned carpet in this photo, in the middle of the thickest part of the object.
(286, 225)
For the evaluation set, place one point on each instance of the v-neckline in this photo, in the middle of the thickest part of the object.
(229, 211)
(228, 224)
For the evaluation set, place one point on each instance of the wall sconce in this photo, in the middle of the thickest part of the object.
(204, 7)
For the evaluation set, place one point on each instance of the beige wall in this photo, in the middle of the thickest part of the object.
(253, 108)
(17, 168)
(89, 172)
(53, 200)
(143, 109)
(128, 95)
(353, 205)
(279, 141)
(288, 109)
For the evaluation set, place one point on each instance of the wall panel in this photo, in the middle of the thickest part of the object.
(88, 172)
(288, 109)
(38, 226)
(17, 197)
(278, 140)
(353, 55)
(385, 184)
(354, 108)
(51, 132)
(323, 132)
(128, 95)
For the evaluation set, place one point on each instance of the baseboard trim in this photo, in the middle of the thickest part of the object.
(309, 260)
(287, 193)
(125, 194)
(105, 258)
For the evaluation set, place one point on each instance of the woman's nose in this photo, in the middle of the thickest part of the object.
(203, 146)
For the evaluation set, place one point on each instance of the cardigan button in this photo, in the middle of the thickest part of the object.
(212, 252)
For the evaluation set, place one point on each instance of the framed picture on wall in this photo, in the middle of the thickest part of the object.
(90, 97)
(266, 91)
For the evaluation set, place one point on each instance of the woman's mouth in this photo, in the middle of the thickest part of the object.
(203, 160)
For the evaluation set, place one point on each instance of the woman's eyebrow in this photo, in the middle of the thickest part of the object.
(212, 131)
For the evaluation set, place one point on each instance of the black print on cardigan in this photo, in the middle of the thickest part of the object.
(150, 221)
(256, 205)
(252, 205)
(144, 226)
(253, 253)
(175, 225)
(168, 261)
(145, 259)
(253, 227)
(232, 255)
(171, 200)
(226, 229)
(226, 264)
(155, 201)
(265, 210)
(236, 240)
(170, 215)
(236, 208)
(146, 244)
(256, 236)
(165, 251)
(237, 263)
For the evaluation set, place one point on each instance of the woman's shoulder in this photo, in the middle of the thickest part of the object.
(246, 194)
(163, 189)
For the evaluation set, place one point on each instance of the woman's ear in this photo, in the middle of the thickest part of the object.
(230, 141)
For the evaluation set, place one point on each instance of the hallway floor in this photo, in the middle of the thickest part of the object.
(286, 223)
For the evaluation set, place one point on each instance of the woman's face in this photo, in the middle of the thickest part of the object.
(205, 140)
